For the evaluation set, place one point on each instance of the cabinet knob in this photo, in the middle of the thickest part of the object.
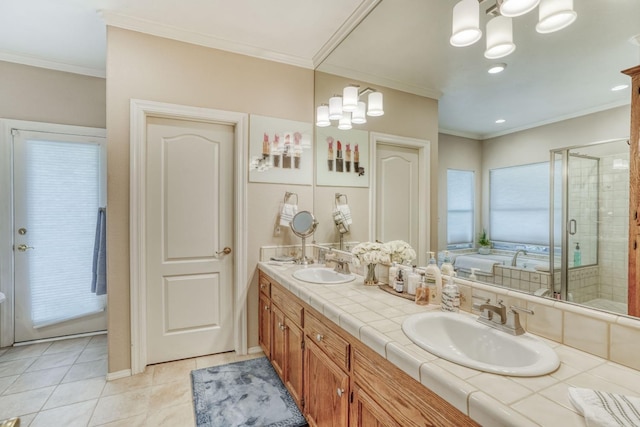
(266, 307)
(281, 326)
(319, 337)
(340, 392)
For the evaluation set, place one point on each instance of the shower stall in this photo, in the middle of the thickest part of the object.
(589, 216)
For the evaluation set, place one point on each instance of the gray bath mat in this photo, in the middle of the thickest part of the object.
(247, 393)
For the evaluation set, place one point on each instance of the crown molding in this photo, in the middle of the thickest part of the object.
(156, 29)
(363, 10)
(51, 65)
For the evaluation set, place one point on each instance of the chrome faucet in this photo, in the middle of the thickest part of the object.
(487, 312)
(342, 266)
(509, 321)
(514, 260)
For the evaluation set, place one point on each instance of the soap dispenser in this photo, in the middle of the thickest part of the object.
(447, 267)
(577, 256)
(393, 271)
(434, 280)
(451, 296)
(422, 291)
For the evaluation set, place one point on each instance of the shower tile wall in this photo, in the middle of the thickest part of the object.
(614, 227)
(583, 208)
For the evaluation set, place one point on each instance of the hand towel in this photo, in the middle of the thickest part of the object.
(346, 212)
(287, 213)
(602, 409)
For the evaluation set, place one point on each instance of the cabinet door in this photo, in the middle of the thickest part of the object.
(326, 389)
(365, 412)
(294, 360)
(264, 326)
(277, 341)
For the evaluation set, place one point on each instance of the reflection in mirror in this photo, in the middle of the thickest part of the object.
(554, 94)
(304, 225)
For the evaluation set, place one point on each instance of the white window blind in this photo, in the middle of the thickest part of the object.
(63, 195)
(460, 201)
(519, 204)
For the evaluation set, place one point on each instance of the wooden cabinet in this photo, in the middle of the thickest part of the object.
(366, 412)
(287, 341)
(327, 374)
(334, 378)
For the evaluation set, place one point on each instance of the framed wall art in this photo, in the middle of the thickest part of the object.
(342, 157)
(280, 151)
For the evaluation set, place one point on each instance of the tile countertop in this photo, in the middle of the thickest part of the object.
(375, 317)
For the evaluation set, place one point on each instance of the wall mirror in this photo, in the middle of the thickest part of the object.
(552, 106)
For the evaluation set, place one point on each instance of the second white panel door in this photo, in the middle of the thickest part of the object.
(189, 222)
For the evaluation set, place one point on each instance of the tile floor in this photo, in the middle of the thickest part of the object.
(62, 383)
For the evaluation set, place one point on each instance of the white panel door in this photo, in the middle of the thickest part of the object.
(397, 194)
(189, 217)
(58, 186)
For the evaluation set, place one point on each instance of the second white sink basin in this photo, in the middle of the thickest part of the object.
(461, 339)
(322, 275)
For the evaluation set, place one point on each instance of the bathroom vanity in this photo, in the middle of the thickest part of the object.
(334, 377)
(342, 354)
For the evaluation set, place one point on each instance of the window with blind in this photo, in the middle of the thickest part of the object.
(460, 201)
(519, 204)
(63, 193)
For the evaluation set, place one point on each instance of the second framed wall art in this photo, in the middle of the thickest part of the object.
(342, 157)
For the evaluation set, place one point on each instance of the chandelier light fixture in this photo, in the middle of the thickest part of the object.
(553, 15)
(348, 109)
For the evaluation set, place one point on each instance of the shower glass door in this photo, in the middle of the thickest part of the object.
(589, 224)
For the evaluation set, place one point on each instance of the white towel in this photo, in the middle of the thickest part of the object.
(287, 213)
(602, 409)
(346, 212)
(469, 262)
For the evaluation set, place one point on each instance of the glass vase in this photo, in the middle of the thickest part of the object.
(371, 279)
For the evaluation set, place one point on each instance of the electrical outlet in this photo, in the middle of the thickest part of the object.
(276, 231)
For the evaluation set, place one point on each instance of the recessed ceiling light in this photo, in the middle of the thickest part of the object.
(500, 121)
(619, 87)
(496, 68)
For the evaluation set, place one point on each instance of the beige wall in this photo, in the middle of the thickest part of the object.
(405, 115)
(462, 154)
(152, 68)
(41, 95)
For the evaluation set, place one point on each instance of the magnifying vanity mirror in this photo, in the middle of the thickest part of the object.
(304, 225)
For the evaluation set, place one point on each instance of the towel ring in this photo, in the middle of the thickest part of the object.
(287, 195)
(338, 196)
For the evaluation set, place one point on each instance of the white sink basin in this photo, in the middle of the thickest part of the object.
(461, 339)
(322, 275)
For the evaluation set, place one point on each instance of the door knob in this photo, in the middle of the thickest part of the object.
(24, 248)
(225, 251)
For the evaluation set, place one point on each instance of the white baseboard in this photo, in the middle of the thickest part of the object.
(254, 350)
(119, 374)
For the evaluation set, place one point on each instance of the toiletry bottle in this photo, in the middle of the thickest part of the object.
(412, 281)
(399, 285)
(434, 280)
(393, 271)
(422, 291)
(446, 268)
(451, 296)
(577, 256)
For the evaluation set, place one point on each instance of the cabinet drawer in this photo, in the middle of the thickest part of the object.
(291, 308)
(264, 283)
(331, 343)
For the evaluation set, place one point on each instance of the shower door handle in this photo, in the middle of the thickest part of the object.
(573, 227)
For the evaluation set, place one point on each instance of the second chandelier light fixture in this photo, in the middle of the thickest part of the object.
(553, 15)
(347, 108)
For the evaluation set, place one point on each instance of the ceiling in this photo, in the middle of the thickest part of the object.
(402, 44)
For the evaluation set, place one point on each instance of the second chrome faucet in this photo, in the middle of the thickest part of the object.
(508, 320)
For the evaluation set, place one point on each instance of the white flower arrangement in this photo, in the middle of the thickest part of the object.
(370, 253)
(400, 251)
